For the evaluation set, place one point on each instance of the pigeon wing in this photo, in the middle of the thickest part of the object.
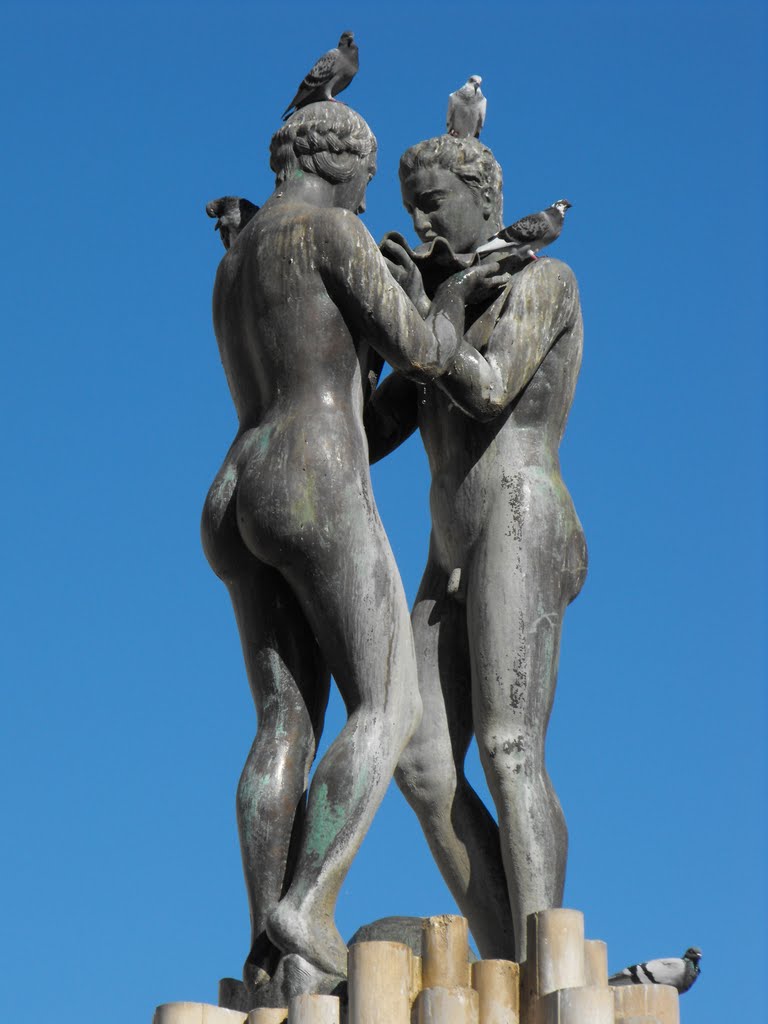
(481, 116)
(527, 229)
(453, 107)
(322, 71)
(665, 972)
(318, 76)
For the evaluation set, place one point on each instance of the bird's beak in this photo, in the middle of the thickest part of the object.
(217, 225)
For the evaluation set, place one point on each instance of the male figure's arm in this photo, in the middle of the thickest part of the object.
(543, 304)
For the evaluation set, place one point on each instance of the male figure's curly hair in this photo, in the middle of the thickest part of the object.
(471, 162)
(328, 139)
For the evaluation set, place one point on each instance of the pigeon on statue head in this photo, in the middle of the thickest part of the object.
(679, 972)
(329, 75)
(466, 110)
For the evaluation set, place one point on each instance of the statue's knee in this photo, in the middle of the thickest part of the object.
(508, 755)
(425, 779)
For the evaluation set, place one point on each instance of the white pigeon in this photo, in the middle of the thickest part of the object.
(679, 972)
(466, 110)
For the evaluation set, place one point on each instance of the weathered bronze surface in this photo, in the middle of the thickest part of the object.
(305, 311)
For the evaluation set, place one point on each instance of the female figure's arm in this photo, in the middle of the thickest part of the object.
(543, 305)
(378, 310)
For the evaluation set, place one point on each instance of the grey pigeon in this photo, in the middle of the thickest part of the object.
(232, 214)
(680, 972)
(466, 110)
(331, 73)
(531, 233)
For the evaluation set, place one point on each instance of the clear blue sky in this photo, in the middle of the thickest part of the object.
(128, 715)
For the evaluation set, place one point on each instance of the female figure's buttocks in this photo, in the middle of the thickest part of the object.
(305, 310)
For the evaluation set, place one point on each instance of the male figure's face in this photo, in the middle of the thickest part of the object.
(441, 204)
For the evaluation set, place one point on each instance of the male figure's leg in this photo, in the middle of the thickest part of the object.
(462, 835)
(515, 606)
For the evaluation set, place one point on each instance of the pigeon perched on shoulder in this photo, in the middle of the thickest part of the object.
(529, 234)
(680, 972)
(330, 74)
(232, 214)
(466, 110)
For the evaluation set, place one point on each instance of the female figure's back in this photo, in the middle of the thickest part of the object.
(303, 302)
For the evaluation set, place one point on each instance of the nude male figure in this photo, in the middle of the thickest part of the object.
(304, 309)
(506, 555)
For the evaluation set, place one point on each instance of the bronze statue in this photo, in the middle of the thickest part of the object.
(507, 552)
(305, 310)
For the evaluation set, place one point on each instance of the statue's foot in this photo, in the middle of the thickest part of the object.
(295, 976)
(254, 976)
(314, 937)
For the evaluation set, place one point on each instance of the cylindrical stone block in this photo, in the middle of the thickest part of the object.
(457, 1005)
(497, 983)
(445, 952)
(196, 1013)
(587, 1005)
(556, 950)
(379, 983)
(416, 970)
(660, 1001)
(555, 940)
(638, 1020)
(595, 963)
(309, 1009)
(267, 1015)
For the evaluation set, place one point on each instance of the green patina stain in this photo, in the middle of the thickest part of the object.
(327, 821)
(265, 436)
(303, 508)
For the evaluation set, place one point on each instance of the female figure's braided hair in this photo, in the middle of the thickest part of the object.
(327, 139)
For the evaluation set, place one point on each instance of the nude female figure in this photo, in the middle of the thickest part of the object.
(506, 556)
(304, 310)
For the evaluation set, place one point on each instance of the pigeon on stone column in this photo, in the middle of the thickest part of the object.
(679, 972)
(330, 74)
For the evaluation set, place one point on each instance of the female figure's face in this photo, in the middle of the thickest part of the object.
(441, 204)
(351, 194)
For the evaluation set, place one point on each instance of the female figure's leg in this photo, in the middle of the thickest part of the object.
(289, 683)
(523, 574)
(342, 570)
(462, 835)
(290, 687)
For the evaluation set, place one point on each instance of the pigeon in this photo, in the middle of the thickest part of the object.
(331, 73)
(680, 972)
(466, 110)
(531, 233)
(232, 214)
